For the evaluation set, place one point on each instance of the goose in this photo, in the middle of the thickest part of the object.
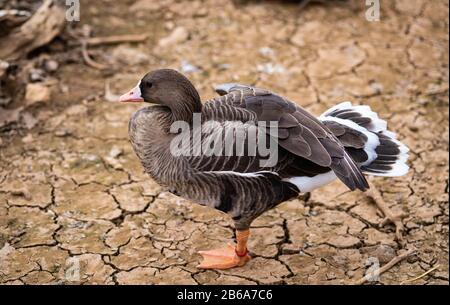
(205, 152)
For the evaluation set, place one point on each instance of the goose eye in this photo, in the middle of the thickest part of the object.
(148, 84)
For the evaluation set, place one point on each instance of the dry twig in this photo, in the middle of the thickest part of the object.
(95, 41)
(386, 267)
(88, 60)
(396, 219)
(420, 276)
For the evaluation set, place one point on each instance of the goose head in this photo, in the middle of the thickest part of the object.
(169, 88)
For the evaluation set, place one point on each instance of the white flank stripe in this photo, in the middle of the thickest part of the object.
(248, 175)
(307, 184)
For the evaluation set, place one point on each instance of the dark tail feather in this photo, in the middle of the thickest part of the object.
(367, 140)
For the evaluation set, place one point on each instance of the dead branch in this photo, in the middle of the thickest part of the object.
(386, 267)
(95, 41)
(40, 29)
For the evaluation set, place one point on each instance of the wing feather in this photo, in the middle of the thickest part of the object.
(299, 132)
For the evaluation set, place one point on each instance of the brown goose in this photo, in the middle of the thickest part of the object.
(206, 152)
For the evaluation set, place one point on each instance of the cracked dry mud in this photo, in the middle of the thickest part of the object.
(75, 190)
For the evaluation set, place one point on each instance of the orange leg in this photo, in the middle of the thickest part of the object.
(229, 256)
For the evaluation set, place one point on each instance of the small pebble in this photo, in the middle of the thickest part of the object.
(51, 65)
(24, 193)
(187, 68)
(115, 152)
(271, 68)
(37, 75)
(62, 133)
(91, 157)
(330, 275)
(224, 66)
(266, 51)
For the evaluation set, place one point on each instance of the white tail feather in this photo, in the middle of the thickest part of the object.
(378, 164)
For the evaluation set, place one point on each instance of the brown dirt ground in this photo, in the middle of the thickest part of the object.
(72, 187)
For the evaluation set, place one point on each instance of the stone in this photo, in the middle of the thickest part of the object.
(115, 152)
(37, 92)
(29, 120)
(51, 65)
(37, 75)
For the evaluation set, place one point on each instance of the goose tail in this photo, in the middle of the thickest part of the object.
(367, 140)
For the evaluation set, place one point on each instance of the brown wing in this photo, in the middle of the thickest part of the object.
(299, 132)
